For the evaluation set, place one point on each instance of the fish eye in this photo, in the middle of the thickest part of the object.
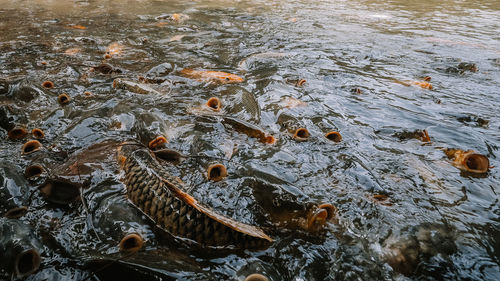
(227, 78)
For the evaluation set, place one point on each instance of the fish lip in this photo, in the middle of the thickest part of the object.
(32, 258)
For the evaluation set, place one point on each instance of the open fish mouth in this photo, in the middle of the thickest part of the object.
(160, 196)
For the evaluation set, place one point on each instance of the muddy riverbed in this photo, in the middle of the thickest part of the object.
(400, 82)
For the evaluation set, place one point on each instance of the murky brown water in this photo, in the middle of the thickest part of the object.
(361, 61)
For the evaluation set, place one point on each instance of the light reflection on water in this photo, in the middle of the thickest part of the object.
(337, 47)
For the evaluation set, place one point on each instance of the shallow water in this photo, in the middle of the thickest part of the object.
(351, 53)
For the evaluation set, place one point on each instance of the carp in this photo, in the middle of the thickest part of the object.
(160, 196)
(217, 77)
(19, 247)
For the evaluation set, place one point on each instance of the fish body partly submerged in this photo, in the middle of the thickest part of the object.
(161, 197)
(19, 249)
(211, 76)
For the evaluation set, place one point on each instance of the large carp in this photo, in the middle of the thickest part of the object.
(161, 197)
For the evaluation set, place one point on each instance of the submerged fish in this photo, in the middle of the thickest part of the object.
(255, 59)
(211, 76)
(19, 256)
(422, 84)
(248, 129)
(134, 87)
(161, 197)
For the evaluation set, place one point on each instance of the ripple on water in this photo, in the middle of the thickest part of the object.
(399, 198)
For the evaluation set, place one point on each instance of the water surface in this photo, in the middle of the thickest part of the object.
(351, 53)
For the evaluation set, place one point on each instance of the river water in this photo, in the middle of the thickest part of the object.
(362, 62)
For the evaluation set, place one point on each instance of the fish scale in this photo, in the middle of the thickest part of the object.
(161, 197)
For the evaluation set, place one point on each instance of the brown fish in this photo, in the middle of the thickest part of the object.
(422, 84)
(218, 77)
(469, 161)
(249, 130)
(161, 197)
